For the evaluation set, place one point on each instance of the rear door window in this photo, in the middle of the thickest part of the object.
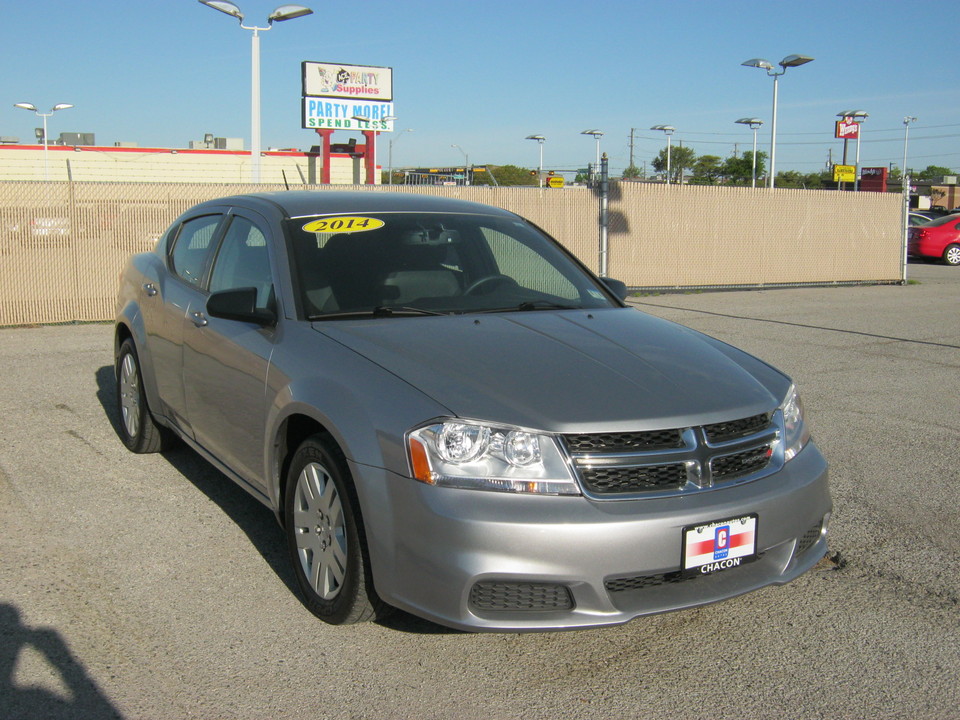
(193, 246)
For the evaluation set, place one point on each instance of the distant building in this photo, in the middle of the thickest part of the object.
(126, 163)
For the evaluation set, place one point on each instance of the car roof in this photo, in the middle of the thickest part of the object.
(300, 203)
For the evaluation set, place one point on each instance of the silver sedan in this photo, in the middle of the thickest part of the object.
(451, 415)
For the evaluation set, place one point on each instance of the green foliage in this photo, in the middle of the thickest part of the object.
(707, 170)
(506, 175)
(739, 170)
(808, 181)
(933, 172)
(681, 158)
(631, 172)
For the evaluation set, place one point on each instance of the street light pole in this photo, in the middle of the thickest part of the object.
(905, 190)
(390, 155)
(33, 108)
(540, 139)
(788, 61)
(466, 162)
(667, 130)
(754, 124)
(284, 12)
(597, 134)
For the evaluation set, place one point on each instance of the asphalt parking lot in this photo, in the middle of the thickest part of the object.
(150, 587)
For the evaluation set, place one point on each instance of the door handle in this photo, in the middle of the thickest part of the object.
(150, 289)
(198, 319)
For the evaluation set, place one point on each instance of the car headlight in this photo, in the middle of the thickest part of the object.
(796, 434)
(467, 454)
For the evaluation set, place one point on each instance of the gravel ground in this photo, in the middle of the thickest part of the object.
(151, 587)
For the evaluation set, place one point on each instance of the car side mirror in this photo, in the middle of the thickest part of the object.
(239, 304)
(616, 287)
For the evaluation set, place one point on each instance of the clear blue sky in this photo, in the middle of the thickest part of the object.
(484, 75)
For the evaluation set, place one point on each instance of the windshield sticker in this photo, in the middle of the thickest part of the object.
(347, 224)
(595, 293)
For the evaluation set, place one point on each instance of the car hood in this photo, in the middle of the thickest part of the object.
(567, 371)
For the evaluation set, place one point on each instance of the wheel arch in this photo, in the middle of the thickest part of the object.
(292, 431)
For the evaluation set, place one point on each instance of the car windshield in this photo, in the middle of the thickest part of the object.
(427, 263)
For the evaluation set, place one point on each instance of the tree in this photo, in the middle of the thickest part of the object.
(933, 172)
(680, 158)
(506, 175)
(739, 170)
(809, 181)
(707, 170)
(631, 172)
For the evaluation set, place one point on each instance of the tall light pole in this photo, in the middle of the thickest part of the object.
(857, 116)
(788, 61)
(597, 134)
(906, 136)
(390, 154)
(33, 108)
(466, 162)
(284, 12)
(754, 124)
(905, 189)
(540, 139)
(667, 130)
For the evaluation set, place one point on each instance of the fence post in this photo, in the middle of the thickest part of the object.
(604, 219)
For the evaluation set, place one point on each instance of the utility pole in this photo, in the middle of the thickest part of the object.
(631, 146)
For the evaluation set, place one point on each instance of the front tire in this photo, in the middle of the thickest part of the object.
(951, 255)
(325, 536)
(138, 430)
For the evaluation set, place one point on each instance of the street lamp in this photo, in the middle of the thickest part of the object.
(540, 139)
(906, 135)
(390, 155)
(597, 134)
(466, 162)
(905, 190)
(667, 130)
(33, 108)
(857, 116)
(754, 124)
(788, 61)
(284, 12)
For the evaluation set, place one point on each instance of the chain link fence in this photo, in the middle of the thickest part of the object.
(63, 244)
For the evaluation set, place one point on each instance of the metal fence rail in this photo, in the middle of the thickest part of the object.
(63, 244)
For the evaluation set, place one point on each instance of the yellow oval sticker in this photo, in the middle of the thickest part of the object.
(345, 224)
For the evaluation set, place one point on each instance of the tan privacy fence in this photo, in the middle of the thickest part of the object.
(62, 245)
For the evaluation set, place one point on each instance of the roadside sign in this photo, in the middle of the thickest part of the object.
(847, 130)
(555, 182)
(844, 173)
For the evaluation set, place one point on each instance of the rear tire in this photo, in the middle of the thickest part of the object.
(325, 536)
(138, 430)
(951, 255)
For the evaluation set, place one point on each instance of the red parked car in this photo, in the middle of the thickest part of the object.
(938, 238)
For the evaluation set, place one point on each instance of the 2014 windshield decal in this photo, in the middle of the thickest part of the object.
(345, 224)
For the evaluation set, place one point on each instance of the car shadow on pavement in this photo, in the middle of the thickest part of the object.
(80, 698)
(251, 516)
(256, 520)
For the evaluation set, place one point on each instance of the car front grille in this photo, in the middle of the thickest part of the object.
(677, 461)
(506, 596)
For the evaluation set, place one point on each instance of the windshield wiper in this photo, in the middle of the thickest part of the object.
(529, 305)
(379, 311)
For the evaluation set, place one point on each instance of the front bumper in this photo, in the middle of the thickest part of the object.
(492, 561)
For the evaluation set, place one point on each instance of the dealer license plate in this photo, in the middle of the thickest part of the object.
(719, 545)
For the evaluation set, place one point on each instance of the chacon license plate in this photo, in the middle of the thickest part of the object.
(719, 545)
